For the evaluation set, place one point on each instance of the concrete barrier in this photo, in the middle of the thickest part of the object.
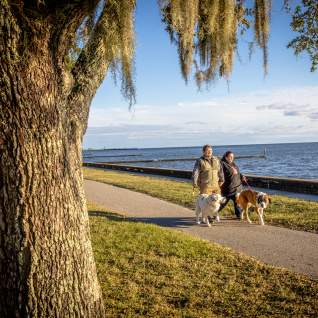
(276, 183)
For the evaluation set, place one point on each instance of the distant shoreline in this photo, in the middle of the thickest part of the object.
(173, 147)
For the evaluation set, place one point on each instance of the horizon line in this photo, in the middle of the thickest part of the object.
(223, 145)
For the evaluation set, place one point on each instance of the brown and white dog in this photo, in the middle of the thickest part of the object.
(250, 198)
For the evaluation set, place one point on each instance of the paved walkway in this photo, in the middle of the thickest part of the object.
(295, 250)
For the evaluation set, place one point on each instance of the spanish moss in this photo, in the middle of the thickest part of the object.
(205, 33)
(261, 27)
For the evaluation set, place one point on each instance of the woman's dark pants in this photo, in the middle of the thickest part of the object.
(237, 209)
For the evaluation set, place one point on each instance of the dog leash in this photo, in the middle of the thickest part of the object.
(248, 186)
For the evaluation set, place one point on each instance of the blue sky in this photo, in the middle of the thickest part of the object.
(282, 107)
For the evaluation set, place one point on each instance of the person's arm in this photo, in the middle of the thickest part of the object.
(195, 174)
(221, 174)
(242, 177)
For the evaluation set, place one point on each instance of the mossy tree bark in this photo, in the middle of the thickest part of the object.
(47, 267)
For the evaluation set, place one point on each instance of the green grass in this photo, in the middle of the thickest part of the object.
(287, 212)
(148, 271)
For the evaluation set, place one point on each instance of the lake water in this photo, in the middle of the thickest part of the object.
(297, 160)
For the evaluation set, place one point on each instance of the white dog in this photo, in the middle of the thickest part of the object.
(206, 205)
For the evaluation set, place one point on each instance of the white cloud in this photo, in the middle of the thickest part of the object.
(292, 109)
(287, 114)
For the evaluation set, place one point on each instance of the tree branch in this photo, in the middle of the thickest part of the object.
(46, 8)
(66, 24)
(90, 69)
(62, 19)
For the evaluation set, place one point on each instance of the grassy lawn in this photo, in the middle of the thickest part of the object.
(148, 271)
(288, 212)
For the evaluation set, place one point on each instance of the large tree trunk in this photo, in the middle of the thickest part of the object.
(47, 267)
(46, 263)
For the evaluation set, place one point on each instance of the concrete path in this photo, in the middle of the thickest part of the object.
(295, 250)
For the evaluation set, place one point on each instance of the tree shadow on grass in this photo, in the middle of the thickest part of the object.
(172, 222)
(108, 215)
(178, 222)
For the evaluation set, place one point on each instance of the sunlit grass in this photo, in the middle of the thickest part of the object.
(148, 271)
